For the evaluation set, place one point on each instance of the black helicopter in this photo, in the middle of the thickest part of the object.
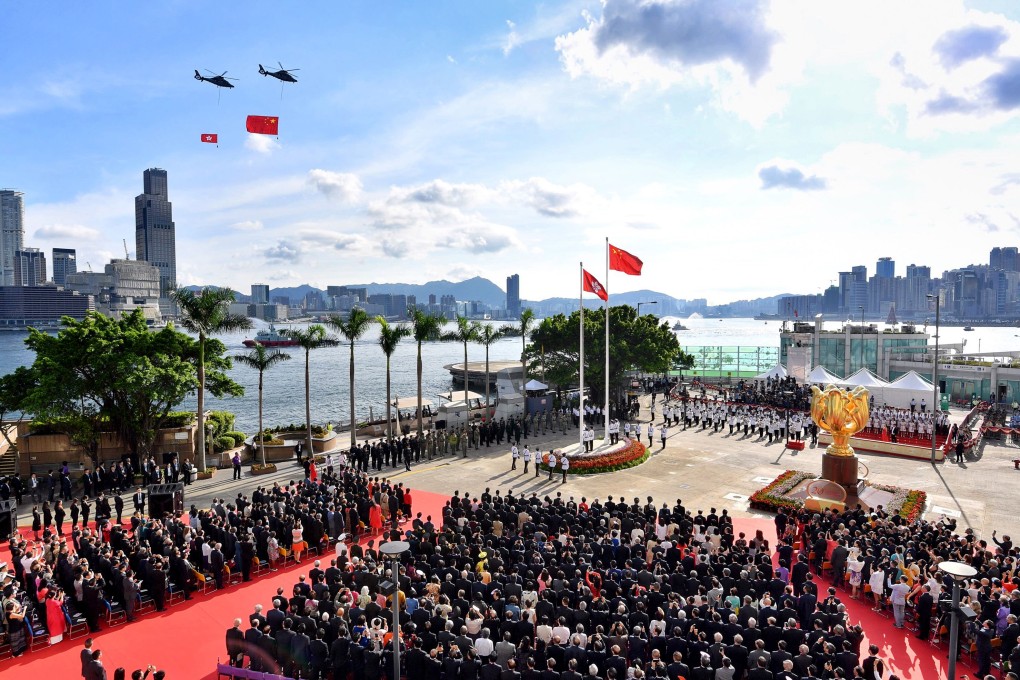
(286, 75)
(220, 80)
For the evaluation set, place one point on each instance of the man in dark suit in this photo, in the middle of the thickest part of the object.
(838, 562)
(235, 644)
(760, 671)
(252, 638)
(86, 657)
(216, 564)
(925, 603)
(139, 500)
(95, 669)
(118, 506)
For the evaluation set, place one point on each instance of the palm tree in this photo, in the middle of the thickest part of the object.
(261, 359)
(205, 313)
(425, 326)
(487, 335)
(308, 339)
(466, 331)
(524, 328)
(351, 328)
(389, 338)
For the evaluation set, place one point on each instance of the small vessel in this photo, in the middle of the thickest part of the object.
(968, 328)
(270, 338)
(680, 327)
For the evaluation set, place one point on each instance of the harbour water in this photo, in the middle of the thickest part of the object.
(284, 391)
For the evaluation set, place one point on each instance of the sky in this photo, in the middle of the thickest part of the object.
(739, 148)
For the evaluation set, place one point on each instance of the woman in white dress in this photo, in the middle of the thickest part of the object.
(855, 565)
(877, 583)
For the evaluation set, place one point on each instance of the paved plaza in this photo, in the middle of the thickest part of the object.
(706, 470)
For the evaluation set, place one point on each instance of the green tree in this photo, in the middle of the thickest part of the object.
(15, 389)
(312, 337)
(487, 335)
(636, 343)
(466, 331)
(261, 359)
(389, 338)
(206, 313)
(351, 328)
(425, 327)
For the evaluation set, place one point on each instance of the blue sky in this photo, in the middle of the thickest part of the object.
(734, 146)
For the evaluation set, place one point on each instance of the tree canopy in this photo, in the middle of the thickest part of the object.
(635, 343)
(116, 374)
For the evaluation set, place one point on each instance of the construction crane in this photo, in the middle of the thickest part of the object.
(126, 256)
(89, 264)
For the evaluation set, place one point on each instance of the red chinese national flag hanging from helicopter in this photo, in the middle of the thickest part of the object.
(211, 138)
(263, 125)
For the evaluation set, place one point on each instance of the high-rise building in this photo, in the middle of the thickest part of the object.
(513, 296)
(155, 235)
(12, 232)
(1006, 259)
(122, 287)
(885, 268)
(29, 267)
(65, 261)
(259, 294)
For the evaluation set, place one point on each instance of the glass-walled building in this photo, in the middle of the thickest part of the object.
(847, 350)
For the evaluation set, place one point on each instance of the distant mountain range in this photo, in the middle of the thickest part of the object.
(487, 292)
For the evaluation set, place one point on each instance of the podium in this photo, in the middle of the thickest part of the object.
(164, 498)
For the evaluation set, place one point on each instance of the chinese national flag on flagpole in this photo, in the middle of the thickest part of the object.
(622, 261)
(592, 285)
(263, 125)
(211, 138)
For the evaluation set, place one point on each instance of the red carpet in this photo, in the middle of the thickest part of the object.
(187, 639)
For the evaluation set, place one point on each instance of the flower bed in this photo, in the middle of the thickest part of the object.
(620, 459)
(259, 469)
(907, 503)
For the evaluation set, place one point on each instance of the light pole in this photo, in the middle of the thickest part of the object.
(395, 549)
(861, 307)
(650, 302)
(935, 377)
(959, 572)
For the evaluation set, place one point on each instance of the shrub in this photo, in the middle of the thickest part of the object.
(221, 421)
(223, 443)
(238, 437)
(179, 419)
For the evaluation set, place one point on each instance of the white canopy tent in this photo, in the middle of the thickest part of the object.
(534, 385)
(910, 386)
(820, 376)
(777, 371)
(864, 378)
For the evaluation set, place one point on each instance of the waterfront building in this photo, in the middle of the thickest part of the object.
(885, 268)
(155, 234)
(122, 286)
(65, 261)
(513, 296)
(12, 232)
(22, 306)
(259, 294)
(29, 267)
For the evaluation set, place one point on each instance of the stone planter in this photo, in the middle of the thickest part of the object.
(267, 469)
(206, 474)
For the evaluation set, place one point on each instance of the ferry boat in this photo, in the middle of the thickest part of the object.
(968, 328)
(271, 338)
(680, 327)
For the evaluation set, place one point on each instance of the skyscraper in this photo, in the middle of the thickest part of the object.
(259, 294)
(12, 232)
(29, 267)
(513, 295)
(885, 268)
(155, 236)
(65, 261)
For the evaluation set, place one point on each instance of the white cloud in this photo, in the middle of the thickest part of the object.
(283, 250)
(76, 232)
(263, 144)
(550, 199)
(785, 175)
(513, 39)
(344, 186)
(247, 225)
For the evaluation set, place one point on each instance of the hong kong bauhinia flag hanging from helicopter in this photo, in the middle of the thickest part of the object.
(211, 138)
(263, 125)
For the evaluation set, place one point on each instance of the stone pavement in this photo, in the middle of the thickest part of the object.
(703, 468)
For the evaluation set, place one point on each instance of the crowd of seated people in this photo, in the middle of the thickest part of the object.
(552, 588)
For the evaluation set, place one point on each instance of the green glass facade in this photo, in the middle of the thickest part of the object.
(731, 362)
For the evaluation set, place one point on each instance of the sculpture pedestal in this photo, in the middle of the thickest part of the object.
(840, 469)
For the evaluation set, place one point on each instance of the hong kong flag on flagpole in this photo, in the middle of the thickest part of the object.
(211, 138)
(263, 125)
(622, 261)
(592, 285)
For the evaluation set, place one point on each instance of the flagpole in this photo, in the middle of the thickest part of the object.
(605, 403)
(580, 402)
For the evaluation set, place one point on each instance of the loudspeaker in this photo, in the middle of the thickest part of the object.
(165, 498)
(965, 614)
(8, 519)
(440, 424)
(387, 587)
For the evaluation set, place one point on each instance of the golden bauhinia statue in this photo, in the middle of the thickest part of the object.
(841, 413)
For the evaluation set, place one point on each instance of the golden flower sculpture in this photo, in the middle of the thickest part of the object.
(841, 413)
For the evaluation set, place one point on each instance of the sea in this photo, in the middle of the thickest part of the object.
(284, 384)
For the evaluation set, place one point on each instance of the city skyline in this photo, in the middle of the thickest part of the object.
(450, 141)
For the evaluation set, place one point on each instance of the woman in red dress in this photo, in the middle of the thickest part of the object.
(375, 518)
(55, 621)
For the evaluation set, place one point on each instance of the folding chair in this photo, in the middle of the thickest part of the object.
(115, 614)
(76, 624)
(38, 636)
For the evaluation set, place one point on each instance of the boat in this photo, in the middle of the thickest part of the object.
(680, 327)
(271, 338)
(968, 328)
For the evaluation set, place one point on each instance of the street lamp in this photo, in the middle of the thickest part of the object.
(395, 549)
(959, 572)
(650, 302)
(861, 365)
(935, 376)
